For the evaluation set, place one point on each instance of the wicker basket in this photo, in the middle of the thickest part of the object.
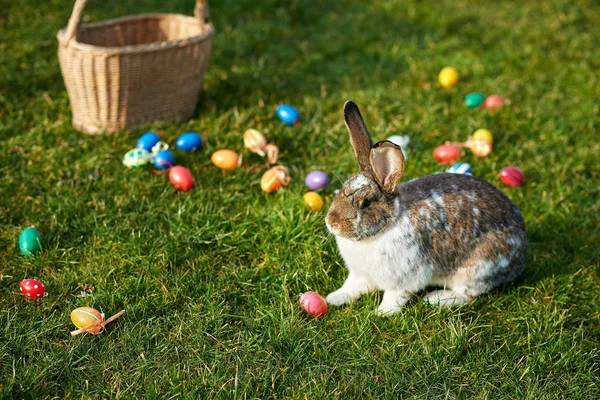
(134, 70)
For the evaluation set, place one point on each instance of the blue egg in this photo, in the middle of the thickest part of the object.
(189, 141)
(148, 141)
(460, 168)
(164, 159)
(288, 114)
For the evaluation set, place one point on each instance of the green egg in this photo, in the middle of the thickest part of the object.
(474, 99)
(30, 241)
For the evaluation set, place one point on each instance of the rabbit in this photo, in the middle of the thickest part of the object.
(455, 232)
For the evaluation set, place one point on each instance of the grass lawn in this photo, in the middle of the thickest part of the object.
(210, 279)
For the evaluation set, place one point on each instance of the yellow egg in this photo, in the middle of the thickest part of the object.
(84, 317)
(480, 147)
(313, 201)
(448, 77)
(225, 159)
(483, 134)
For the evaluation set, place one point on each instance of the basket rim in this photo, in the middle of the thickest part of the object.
(208, 28)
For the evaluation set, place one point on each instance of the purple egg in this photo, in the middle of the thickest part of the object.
(316, 180)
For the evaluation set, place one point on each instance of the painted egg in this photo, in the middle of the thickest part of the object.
(181, 178)
(480, 147)
(483, 134)
(494, 102)
(255, 141)
(136, 158)
(32, 288)
(447, 153)
(474, 100)
(448, 77)
(189, 141)
(84, 317)
(512, 176)
(164, 159)
(460, 168)
(314, 304)
(148, 140)
(225, 159)
(30, 241)
(313, 201)
(274, 178)
(316, 180)
(288, 114)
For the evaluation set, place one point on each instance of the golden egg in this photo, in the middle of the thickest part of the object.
(480, 147)
(83, 317)
(448, 77)
(255, 141)
(225, 159)
(313, 201)
(274, 178)
(483, 134)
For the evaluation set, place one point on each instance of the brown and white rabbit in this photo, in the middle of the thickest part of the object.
(452, 231)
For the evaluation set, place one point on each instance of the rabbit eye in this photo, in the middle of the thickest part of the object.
(365, 204)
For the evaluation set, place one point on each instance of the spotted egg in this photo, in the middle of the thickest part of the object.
(86, 317)
(32, 288)
(137, 158)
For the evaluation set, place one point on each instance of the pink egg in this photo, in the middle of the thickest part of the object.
(181, 178)
(314, 304)
(493, 102)
(512, 176)
(447, 153)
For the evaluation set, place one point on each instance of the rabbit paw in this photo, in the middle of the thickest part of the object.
(444, 298)
(339, 297)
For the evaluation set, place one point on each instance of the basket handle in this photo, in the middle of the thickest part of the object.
(200, 11)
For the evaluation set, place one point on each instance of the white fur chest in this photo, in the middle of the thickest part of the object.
(388, 261)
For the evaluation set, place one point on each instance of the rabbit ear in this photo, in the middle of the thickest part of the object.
(359, 136)
(387, 163)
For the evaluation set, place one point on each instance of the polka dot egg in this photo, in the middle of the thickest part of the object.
(32, 288)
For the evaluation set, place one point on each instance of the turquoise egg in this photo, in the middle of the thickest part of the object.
(30, 241)
(474, 100)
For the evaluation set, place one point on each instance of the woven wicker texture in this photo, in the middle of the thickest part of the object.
(134, 70)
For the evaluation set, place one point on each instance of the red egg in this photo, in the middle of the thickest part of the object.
(512, 176)
(181, 178)
(447, 153)
(493, 102)
(32, 288)
(314, 304)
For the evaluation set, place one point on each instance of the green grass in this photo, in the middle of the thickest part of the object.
(209, 279)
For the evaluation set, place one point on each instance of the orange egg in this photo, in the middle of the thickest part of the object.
(274, 178)
(83, 317)
(225, 159)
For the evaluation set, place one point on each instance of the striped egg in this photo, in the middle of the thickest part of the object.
(460, 168)
(136, 158)
(83, 317)
(255, 141)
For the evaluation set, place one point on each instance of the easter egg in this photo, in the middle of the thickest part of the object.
(512, 176)
(274, 178)
(148, 140)
(448, 77)
(460, 168)
(255, 141)
(494, 102)
(316, 180)
(30, 241)
(447, 153)
(32, 288)
(480, 147)
(288, 114)
(84, 317)
(313, 201)
(483, 134)
(189, 141)
(164, 159)
(314, 304)
(181, 178)
(136, 158)
(225, 159)
(474, 100)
